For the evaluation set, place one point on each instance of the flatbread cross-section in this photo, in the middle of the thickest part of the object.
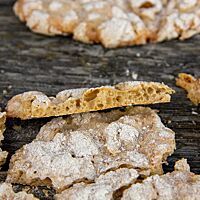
(36, 104)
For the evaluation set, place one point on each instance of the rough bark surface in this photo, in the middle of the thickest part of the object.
(50, 64)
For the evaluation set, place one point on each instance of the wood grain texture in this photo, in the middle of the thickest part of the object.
(50, 64)
(7, 2)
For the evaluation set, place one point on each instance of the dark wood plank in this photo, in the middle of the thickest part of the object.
(7, 2)
(33, 62)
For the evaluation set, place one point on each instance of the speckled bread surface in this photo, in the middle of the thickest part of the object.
(113, 23)
(180, 184)
(82, 147)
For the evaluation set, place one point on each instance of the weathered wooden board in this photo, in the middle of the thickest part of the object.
(7, 2)
(33, 62)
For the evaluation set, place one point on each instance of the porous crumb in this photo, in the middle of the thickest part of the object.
(7, 193)
(82, 147)
(177, 185)
(3, 154)
(112, 23)
(36, 104)
(191, 85)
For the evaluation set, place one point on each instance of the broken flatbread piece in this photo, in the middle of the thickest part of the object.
(7, 193)
(191, 85)
(36, 104)
(110, 22)
(3, 154)
(81, 147)
(104, 187)
(178, 185)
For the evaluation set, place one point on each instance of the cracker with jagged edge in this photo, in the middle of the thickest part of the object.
(104, 187)
(81, 147)
(36, 104)
(7, 193)
(177, 185)
(113, 23)
(3, 154)
(191, 85)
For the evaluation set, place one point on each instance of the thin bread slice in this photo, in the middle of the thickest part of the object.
(191, 85)
(36, 104)
(81, 147)
(3, 154)
(178, 185)
(7, 193)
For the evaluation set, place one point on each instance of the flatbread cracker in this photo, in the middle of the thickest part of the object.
(3, 154)
(36, 104)
(104, 187)
(178, 185)
(191, 85)
(110, 22)
(7, 193)
(81, 147)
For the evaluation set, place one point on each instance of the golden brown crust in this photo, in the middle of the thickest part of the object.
(36, 104)
(191, 85)
(110, 22)
(84, 146)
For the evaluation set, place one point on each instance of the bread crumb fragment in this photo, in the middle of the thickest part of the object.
(191, 85)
